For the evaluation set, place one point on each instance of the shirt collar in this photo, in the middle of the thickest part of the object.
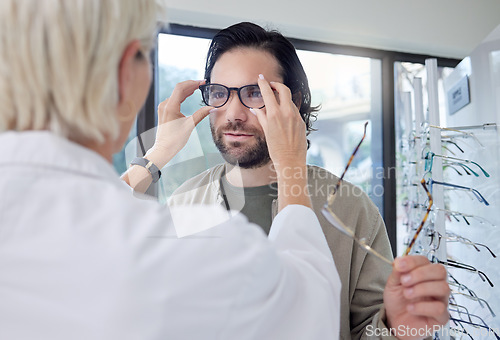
(43, 148)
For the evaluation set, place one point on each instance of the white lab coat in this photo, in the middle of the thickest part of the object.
(81, 258)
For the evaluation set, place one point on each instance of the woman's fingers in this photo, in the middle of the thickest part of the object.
(261, 116)
(201, 113)
(170, 108)
(277, 98)
(267, 95)
(183, 90)
(284, 93)
(283, 126)
(174, 128)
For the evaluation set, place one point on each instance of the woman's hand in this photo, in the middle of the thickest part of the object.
(174, 128)
(283, 125)
(172, 134)
(285, 133)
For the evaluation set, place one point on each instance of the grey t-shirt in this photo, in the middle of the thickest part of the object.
(253, 202)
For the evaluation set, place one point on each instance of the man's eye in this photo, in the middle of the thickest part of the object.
(217, 95)
(254, 94)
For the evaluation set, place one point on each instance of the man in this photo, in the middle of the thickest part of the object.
(416, 292)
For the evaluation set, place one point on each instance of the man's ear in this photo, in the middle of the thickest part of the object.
(297, 99)
(126, 70)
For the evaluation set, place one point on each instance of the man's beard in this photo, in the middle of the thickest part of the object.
(235, 153)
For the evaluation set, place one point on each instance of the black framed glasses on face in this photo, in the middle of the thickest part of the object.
(333, 219)
(217, 95)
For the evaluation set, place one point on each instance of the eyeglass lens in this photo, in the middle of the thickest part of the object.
(217, 95)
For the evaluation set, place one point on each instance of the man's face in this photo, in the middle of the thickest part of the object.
(235, 130)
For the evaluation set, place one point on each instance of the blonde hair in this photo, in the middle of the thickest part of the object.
(59, 62)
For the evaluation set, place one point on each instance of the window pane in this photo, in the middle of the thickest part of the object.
(173, 67)
(348, 89)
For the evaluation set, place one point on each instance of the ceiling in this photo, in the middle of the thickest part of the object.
(441, 28)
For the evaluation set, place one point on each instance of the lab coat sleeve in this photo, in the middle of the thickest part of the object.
(300, 295)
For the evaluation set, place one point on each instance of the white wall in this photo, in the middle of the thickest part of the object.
(446, 28)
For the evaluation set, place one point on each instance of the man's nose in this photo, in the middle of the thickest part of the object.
(235, 110)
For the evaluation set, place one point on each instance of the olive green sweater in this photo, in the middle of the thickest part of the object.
(363, 276)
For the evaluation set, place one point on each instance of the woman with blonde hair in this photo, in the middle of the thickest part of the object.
(82, 258)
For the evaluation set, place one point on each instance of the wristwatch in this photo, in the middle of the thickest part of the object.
(150, 166)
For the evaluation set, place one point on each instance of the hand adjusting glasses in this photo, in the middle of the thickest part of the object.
(337, 223)
(217, 95)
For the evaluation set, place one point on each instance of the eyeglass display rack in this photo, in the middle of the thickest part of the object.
(461, 230)
(479, 76)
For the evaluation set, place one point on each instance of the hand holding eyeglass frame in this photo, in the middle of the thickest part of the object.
(333, 219)
(419, 291)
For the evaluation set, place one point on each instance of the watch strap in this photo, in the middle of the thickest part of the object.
(150, 166)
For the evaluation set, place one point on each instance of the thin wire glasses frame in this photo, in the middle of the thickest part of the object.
(475, 192)
(430, 155)
(452, 237)
(463, 133)
(473, 298)
(467, 267)
(333, 219)
(435, 241)
(472, 295)
(459, 309)
(454, 214)
(454, 166)
(490, 330)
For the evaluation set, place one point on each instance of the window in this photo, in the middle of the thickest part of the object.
(200, 153)
(348, 88)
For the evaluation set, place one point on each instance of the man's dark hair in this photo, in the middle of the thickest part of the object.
(247, 34)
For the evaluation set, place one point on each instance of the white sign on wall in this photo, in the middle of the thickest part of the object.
(458, 95)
